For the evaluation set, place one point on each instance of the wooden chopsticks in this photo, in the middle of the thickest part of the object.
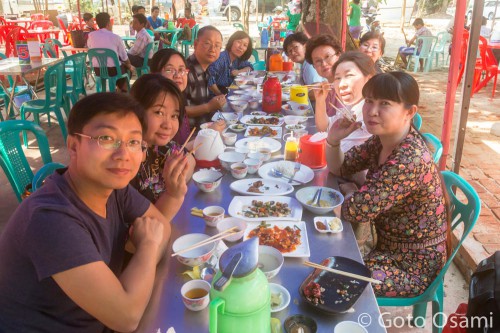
(336, 271)
(214, 238)
(187, 140)
(344, 113)
(195, 148)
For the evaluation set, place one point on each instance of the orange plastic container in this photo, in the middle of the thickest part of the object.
(312, 154)
(276, 62)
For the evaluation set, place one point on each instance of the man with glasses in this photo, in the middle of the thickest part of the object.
(200, 105)
(62, 250)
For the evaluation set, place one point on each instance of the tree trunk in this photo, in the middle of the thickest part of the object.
(330, 20)
(444, 6)
(263, 10)
(246, 16)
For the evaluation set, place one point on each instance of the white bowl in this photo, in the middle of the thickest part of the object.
(239, 170)
(295, 127)
(239, 106)
(256, 156)
(196, 302)
(266, 153)
(213, 214)
(196, 256)
(230, 157)
(253, 165)
(332, 197)
(258, 113)
(298, 109)
(292, 120)
(231, 117)
(246, 86)
(254, 104)
(230, 222)
(205, 179)
(229, 138)
(234, 98)
(285, 297)
(270, 261)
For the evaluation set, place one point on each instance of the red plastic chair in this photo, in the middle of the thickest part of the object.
(2, 21)
(4, 30)
(37, 17)
(62, 26)
(486, 68)
(44, 24)
(18, 33)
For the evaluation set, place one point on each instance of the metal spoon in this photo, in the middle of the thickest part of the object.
(317, 198)
(207, 273)
(279, 174)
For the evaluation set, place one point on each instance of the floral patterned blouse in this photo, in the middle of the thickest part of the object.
(149, 180)
(403, 198)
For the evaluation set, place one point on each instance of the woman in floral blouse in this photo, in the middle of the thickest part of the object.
(402, 195)
(165, 170)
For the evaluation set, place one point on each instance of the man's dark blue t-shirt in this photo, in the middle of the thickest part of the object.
(50, 232)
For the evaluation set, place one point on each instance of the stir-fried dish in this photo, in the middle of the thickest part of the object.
(283, 239)
(264, 130)
(267, 209)
(264, 121)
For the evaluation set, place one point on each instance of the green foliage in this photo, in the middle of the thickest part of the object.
(431, 6)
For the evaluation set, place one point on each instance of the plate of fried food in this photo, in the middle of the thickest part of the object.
(264, 130)
(265, 208)
(290, 238)
(259, 186)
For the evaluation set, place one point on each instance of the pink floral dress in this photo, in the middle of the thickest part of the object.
(404, 199)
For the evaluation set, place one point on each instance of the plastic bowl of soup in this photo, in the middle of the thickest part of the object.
(329, 199)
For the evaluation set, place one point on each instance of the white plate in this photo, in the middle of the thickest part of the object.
(239, 204)
(324, 220)
(230, 117)
(269, 187)
(301, 251)
(279, 131)
(254, 143)
(304, 175)
(247, 120)
(285, 296)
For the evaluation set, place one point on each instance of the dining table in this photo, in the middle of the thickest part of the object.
(43, 34)
(20, 22)
(166, 308)
(12, 67)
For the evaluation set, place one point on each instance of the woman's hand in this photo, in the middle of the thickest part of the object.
(174, 175)
(341, 129)
(321, 94)
(219, 125)
(235, 72)
(217, 102)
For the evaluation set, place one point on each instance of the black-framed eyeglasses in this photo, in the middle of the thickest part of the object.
(110, 143)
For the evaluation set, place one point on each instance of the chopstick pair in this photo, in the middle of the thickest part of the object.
(187, 140)
(214, 238)
(339, 272)
(195, 148)
(344, 113)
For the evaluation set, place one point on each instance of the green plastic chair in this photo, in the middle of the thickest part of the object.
(239, 26)
(436, 145)
(259, 65)
(187, 43)
(101, 55)
(50, 48)
(12, 158)
(145, 66)
(78, 64)
(55, 89)
(428, 43)
(5, 95)
(417, 121)
(466, 212)
(156, 46)
(175, 40)
(441, 48)
(255, 54)
(43, 173)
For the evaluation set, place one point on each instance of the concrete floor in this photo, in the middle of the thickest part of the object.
(456, 289)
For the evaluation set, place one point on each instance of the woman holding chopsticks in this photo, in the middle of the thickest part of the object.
(350, 72)
(402, 195)
(167, 166)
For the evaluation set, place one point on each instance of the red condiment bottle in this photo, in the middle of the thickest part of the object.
(271, 95)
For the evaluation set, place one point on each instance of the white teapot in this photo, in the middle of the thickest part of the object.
(211, 146)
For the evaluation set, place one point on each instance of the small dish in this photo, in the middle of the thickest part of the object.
(258, 113)
(281, 297)
(238, 127)
(328, 224)
(294, 323)
(294, 127)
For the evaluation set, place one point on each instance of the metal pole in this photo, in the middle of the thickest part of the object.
(403, 14)
(120, 11)
(494, 16)
(449, 106)
(477, 15)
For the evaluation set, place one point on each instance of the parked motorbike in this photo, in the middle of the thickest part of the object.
(372, 23)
